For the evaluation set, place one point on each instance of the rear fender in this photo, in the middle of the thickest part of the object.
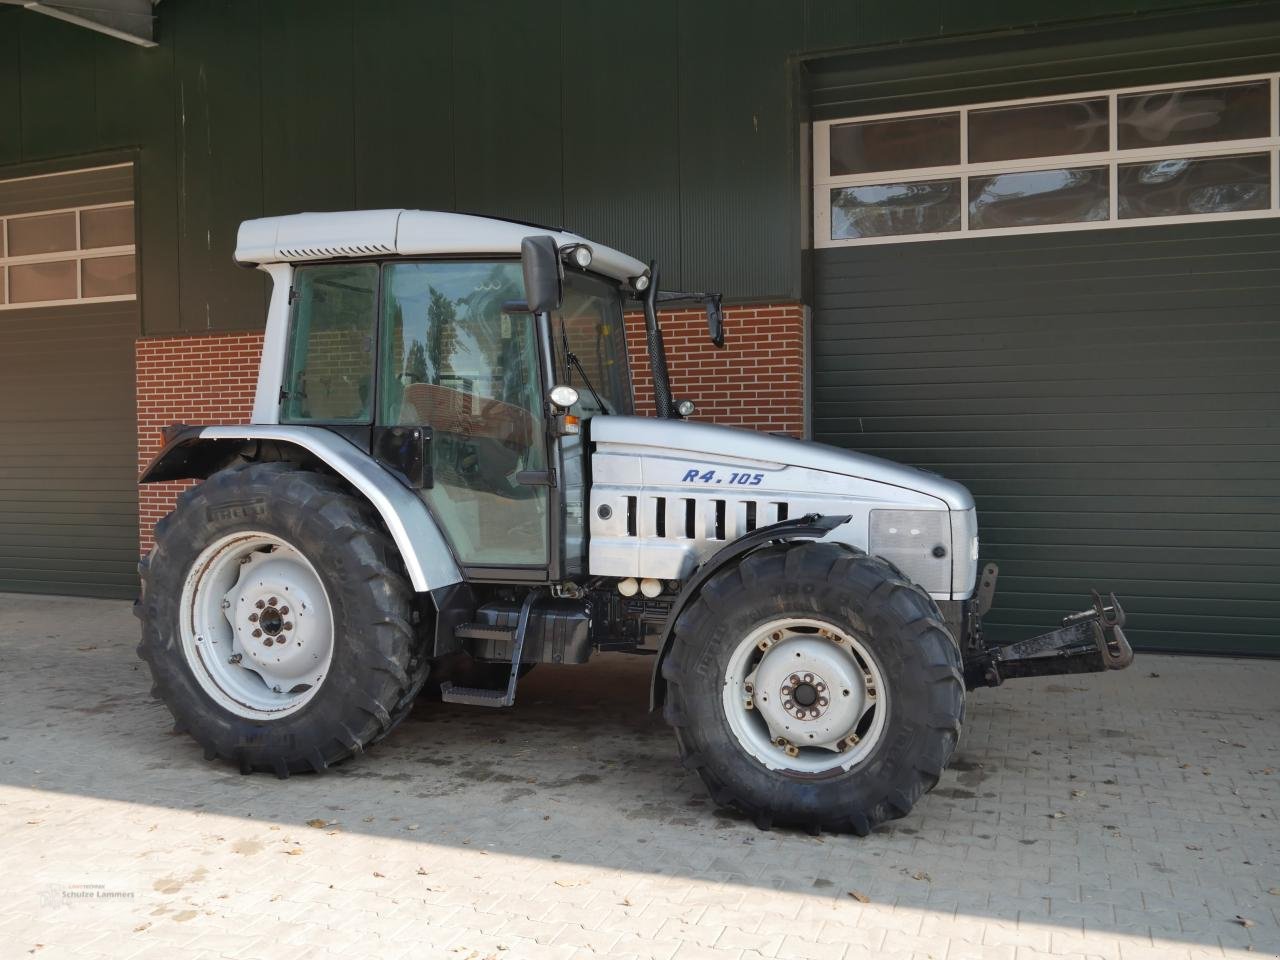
(196, 452)
(809, 527)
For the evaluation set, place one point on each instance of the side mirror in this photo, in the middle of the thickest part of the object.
(715, 320)
(541, 263)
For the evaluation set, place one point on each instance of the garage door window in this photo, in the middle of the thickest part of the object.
(1162, 154)
(58, 257)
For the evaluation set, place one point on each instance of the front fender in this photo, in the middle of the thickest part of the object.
(197, 452)
(809, 527)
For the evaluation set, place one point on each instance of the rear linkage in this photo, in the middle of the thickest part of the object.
(1090, 641)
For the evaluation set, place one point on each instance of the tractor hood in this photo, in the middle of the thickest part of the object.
(682, 437)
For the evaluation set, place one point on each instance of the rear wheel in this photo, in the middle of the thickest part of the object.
(810, 685)
(277, 620)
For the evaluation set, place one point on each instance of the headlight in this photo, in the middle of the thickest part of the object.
(917, 542)
(964, 566)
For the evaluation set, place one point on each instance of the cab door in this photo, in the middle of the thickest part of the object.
(453, 362)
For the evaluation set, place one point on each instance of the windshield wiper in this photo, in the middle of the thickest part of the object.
(573, 361)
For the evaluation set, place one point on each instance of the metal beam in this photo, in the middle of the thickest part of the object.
(130, 20)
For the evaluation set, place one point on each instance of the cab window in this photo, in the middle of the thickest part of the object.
(329, 373)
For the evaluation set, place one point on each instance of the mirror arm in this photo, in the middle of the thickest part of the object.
(657, 350)
(712, 303)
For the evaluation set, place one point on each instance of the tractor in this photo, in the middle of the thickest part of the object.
(445, 482)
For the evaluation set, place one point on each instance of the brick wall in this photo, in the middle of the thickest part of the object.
(197, 380)
(755, 381)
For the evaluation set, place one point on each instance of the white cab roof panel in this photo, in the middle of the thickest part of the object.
(363, 233)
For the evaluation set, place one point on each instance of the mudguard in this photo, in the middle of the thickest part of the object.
(809, 527)
(194, 453)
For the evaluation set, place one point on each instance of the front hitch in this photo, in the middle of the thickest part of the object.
(1090, 641)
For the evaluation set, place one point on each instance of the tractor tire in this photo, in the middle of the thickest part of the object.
(277, 620)
(810, 685)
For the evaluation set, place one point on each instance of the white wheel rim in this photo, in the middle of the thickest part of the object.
(256, 625)
(804, 696)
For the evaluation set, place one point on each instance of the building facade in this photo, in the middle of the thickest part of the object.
(1030, 246)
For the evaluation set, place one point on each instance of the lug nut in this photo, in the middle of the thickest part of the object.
(259, 604)
(253, 618)
(257, 633)
(284, 611)
(268, 642)
(273, 601)
(288, 624)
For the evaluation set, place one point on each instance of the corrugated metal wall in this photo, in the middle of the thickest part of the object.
(671, 131)
(1110, 397)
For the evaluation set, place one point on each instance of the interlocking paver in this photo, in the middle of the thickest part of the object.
(565, 829)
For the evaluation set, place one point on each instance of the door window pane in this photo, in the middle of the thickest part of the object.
(1170, 188)
(589, 325)
(48, 233)
(1166, 118)
(107, 276)
(1038, 197)
(452, 360)
(108, 227)
(908, 143)
(33, 282)
(1038, 130)
(895, 209)
(330, 372)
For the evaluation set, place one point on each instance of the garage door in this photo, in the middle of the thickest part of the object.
(1070, 303)
(1111, 399)
(68, 319)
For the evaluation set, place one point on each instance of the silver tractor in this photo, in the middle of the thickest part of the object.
(445, 483)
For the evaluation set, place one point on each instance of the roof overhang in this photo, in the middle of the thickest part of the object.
(130, 20)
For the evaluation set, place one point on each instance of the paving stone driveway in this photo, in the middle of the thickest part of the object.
(1125, 816)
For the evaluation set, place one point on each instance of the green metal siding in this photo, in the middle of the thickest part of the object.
(1110, 398)
(68, 497)
(673, 132)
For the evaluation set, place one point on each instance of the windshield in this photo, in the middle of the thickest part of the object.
(588, 326)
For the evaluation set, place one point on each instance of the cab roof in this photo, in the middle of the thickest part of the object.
(301, 237)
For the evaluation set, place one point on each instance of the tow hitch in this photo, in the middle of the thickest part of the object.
(1090, 641)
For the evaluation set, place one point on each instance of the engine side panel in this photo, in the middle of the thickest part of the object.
(658, 512)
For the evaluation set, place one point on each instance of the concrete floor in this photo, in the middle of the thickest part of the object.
(1124, 816)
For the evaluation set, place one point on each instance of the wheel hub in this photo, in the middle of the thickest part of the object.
(273, 621)
(257, 626)
(803, 695)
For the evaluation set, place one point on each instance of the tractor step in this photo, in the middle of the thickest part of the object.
(484, 631)
(474, 696)
(478, 696)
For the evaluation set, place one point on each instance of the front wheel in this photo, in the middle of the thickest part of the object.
(811, 686)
